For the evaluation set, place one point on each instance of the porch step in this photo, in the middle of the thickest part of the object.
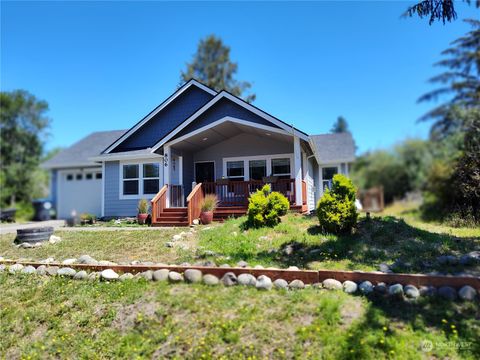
(172, 217)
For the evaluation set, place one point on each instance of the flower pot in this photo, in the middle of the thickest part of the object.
(270, 179)
(141, 218)
(206, 217)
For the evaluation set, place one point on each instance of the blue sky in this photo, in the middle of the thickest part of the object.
(104, 65)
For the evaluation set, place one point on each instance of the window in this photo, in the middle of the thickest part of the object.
(79, 177)
(98, 176)
(151, 176)
(258, 169)
(235, 170)
(281, 168)
(327, 176)
(69, 177)
(89, 176)
(130, 179)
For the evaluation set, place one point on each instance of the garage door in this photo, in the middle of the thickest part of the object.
(79, 192)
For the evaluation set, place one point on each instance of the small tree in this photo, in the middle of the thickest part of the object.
(340, 126)
(265, 207)
(336, 209)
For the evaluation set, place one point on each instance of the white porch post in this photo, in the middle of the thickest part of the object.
(166, 174)
(297, 166)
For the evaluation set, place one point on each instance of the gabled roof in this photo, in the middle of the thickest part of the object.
(151, 115)
(79, 154)
(333, 148)
(226, 95)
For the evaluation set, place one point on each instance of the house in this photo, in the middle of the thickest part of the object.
(197, 141)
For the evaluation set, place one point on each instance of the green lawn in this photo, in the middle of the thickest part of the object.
(296, 241)
(46, 317)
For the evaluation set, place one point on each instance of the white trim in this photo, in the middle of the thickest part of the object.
(140, 179)
(157, 110)
(123, 156)
(246, 159)
(205, 161)
(103, 189)
(320, 173)
(297, 164)
(228, 119)
(221, 95)
(69, 166)
(180, 170)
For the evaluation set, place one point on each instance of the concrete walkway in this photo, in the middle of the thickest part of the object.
(59, 225)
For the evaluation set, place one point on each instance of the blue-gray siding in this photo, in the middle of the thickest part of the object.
(113, 205)
(219, 110)
(166, 120)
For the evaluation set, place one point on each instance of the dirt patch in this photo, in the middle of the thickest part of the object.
(351, 310)
(128, 315)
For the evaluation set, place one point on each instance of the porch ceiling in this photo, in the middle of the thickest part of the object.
(225, 131)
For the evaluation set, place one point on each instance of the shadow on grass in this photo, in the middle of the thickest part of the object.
(457, 322)
(376, 241)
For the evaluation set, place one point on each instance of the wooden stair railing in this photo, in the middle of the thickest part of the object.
(194, 203)
(159, 203)
(304, 192)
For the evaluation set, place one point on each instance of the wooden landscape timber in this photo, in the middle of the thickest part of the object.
(307, 276)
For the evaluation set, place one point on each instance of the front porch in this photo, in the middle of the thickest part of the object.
(168, 207)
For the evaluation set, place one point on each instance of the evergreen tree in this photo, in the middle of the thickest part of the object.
(212, 66)
(436, 9)
(461, 81)
(340, 126)
(23, 126)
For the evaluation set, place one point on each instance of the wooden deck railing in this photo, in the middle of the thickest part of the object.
(159, 202)
(194, 203)
(236, 193)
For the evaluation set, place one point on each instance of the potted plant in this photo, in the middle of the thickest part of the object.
(209, 204)
(270, 179)
(142, 211)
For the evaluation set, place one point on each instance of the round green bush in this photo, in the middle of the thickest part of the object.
(336, 209)
(266, 207)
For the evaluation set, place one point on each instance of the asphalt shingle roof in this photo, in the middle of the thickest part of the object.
(333, 148)
(79, 153)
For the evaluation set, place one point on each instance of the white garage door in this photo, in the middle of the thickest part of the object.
(80, 192)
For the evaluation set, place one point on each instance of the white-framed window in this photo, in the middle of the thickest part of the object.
(256, 167)
(281, 167)
(328, 172)
(236, 170)
(139, 179)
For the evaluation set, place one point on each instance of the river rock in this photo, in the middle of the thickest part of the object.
(296, 284)
(242, 264)
(264, 283)
(293, 268)
(15, 268)
(109, 274)
(94, 276)
(2, 267)
(411, 291)
(176, 237)
(429, 291)
(160, 275)
(396, 290)
(246, 280)
(365, 287)
(210, 279)
(169, 244)
(447, 293)
(332, 284)
(69, 261)
(52, 270)
(229, 279)
(66, 271)
(280, 284)
(467, 293)
(175, 277)
(126, 276)
(147, 275)
(193, 275)
(350, 287)
(81, 275)
(87, 259)
(29, 270)
(380, 288)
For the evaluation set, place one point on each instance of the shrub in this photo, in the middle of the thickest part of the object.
(336, 209)
(265, 207)
(143, 206)
(209, 203)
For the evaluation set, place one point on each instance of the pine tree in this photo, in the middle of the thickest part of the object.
(212, 66)
(436, 9)
(340, 126)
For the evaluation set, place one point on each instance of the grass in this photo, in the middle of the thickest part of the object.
(46, 317)
(296, 241)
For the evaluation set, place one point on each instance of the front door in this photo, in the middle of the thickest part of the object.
(204, 172)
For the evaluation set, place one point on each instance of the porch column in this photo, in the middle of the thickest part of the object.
(297, 166)
(166, 173)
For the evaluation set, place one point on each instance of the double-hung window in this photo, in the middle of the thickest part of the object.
(140, 179)
(257, 169)
(235, 170)
(281, 168)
